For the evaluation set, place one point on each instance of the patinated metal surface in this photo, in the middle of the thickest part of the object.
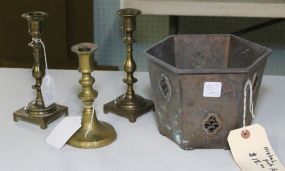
(130, 104)
(180, 65)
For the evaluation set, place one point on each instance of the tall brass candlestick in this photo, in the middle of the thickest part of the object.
(93, 133)
(35, 111)
(129, 105)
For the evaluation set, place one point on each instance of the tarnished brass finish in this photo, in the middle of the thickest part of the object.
(93, 133)
(129, 105)
(35, 111)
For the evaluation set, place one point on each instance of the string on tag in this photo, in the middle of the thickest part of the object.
(92, 116)
(39, 40)
(248, 84)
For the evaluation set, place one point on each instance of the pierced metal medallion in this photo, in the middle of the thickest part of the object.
(212, 123)
(165, 86)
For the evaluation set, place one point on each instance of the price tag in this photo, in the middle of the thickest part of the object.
(48, 90)
(252, 151)
(63, 131)
(212, 89)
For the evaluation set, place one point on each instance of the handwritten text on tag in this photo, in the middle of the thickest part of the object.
(48, 90)
(252, 151)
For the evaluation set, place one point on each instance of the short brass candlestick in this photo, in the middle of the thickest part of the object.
(35, 111)
(129, 105)
(93, 133)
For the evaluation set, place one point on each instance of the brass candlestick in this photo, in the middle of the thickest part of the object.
(92, 133)
(129, 105)
(35, 111)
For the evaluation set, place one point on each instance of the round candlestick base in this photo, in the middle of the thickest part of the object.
(101, 134)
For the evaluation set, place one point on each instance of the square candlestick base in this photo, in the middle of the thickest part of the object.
(42, 119)
(130, 109)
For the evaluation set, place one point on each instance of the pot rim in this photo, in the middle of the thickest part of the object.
(204, 70)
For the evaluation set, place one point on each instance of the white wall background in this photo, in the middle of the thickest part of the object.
(151, 29)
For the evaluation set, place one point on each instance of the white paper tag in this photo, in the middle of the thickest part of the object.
(212, 89)
(252, 151)
(63, 131)
(48, 90)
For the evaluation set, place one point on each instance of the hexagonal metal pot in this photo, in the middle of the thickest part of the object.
(198, 83)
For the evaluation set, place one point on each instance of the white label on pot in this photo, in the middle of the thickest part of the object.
(212, 89)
